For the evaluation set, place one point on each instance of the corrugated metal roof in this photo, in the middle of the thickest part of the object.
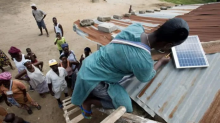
(179, 95)
(204, 22)
(151, 22)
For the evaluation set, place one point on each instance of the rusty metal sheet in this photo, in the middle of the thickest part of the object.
(183, 96)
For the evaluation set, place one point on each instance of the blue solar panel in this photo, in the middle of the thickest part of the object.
(190, 54)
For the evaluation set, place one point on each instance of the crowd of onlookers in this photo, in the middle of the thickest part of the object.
(60, 78)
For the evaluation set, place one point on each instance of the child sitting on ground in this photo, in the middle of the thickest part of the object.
(11, 118)
(31, 56)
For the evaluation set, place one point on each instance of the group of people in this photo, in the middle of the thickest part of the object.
(61, 77)
(96, 78)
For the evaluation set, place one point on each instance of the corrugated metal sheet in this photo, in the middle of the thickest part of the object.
(204, 22)
(179, 95)
(151, 22)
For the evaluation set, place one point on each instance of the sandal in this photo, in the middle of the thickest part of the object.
(38, 107)
(83, 111)
(29, 111)
(60, 105)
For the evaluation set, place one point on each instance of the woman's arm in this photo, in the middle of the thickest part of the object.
(25, 95)
(73, 63)
(81, 59)
(21, 74)
(6, 100)
(59, 65)
(39, 64)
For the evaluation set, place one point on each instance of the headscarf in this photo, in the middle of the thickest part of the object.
(26, 60)
(64, 45)
(14, 50)
(5, 76)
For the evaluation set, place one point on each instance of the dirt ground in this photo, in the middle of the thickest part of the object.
(19, 28)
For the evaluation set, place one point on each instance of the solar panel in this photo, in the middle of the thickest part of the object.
(190, 54)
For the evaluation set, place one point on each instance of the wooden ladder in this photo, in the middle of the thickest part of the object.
(114, 115)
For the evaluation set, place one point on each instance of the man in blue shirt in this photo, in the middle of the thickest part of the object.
(129, 53)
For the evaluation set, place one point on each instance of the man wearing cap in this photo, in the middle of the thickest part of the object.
(56, 79)
(39, 17)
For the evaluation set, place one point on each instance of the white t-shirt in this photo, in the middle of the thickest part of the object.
(20, 65)
(58, 82)
(36, 77)
(38, 15)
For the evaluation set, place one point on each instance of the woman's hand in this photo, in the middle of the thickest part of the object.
(25, 99)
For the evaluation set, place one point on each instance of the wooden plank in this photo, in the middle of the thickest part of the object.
(67, 99)
(77, 119)
(128, 117)
(71, 111)
(67, 119)
(69, 106)
(136, 119)
(115, 115)
(67, 103)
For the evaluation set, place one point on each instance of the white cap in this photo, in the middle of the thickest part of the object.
(52, 62)
(33, 5)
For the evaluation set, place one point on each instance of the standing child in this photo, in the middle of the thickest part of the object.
(58, 27)
(59, 41)
(31, 56)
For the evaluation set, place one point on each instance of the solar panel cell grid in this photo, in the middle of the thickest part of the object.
(190, 54)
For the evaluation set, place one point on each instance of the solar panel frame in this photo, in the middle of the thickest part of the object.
(195, 46)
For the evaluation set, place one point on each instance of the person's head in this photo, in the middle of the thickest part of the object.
(87, 51)
(15, 52)
(27, 63)
(58, 35)
(29, 50)
(173, 32)
(18, 120)
(5, 78)
(10, 117)
(34, 7)
(53, 65)
(54, 20)
(63, 58)
(65, 48)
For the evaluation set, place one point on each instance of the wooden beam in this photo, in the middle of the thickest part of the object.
(77, 119)
(69, 106)
(67, 99)
(128, 117)
(136, 119)
(71, 111)
(115, 115)
(67, 103)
